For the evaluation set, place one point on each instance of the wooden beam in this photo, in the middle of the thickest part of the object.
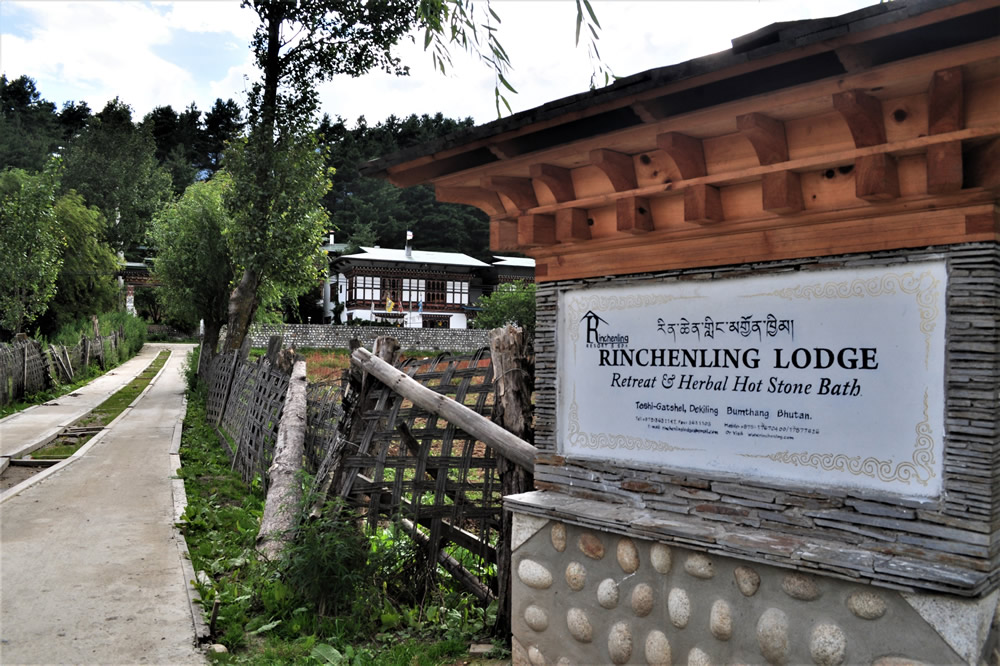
(686, 152)
(618, 167)
(503, 235)
(983, 223)
(944, 167)
(863, 114)
(557, 179)
(766, 135)
(511, 447)
(703, 205)
(875, 178)
(572, 224)
(634, 216)
(484, 200)
(946, 102)
(536, 230)
(781, 192)
(518, 190)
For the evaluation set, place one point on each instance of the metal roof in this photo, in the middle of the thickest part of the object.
(514, 262)
(416, 257)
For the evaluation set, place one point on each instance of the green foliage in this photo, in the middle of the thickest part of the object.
(510, 303)
(86, 283)
(29, 131)
(112, 164)
(193, 261)
(31, 243)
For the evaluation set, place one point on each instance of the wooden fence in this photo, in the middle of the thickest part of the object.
(28, 367)
(391, 460)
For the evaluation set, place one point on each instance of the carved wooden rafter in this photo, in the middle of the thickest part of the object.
(482, 199)
(557, 179)
(686, 152)
(766, 135)
(863, 114)
(519, 190)
(618, 167)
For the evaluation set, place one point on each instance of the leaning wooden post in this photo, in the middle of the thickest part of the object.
(513, 383)
(284, 494)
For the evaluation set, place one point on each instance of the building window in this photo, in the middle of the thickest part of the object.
(436, 321)
(364, 288)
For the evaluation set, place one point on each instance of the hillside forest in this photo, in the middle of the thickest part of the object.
(82, 192)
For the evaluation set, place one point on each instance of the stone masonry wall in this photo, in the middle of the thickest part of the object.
(586, 597)
(338, 337)
(949, 544)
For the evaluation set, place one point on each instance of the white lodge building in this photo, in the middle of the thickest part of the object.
(409, 288)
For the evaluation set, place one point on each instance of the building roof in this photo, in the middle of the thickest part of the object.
(514, 262)
(775, 57)
(415, 257)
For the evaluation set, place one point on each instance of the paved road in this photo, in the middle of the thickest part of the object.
(23, 430)
(90, 564)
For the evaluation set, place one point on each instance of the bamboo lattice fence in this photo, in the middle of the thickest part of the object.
(386, 457)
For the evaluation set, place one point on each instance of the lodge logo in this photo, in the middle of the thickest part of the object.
(595, 338)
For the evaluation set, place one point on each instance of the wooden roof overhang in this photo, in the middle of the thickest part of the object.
(870, 131)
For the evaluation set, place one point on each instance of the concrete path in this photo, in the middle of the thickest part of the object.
(91, 567)
(26, 430)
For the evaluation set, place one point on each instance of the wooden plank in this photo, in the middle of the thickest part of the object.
(572, 224)
(946, 101)
(557, 179)
(618, 167)
(944, 167)
(535, 230)
(503, 235)
(686, 152)
(634, 215)
(703, 205)
(858, 235)
(482, 199)
(766, 135)
(519, 190)
(876, 178)
(781, 192)
(863, 114)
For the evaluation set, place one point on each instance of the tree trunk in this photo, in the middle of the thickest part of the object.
(513, 383)
(242, 307)
(209, 344)
(283, 505)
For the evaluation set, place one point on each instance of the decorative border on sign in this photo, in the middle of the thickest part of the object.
(923, 286)
(920, 469)
(603, 440)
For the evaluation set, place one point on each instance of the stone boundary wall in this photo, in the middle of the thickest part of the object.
(324, 336)
(948, 544)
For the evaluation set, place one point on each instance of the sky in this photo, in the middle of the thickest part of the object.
(154, 53)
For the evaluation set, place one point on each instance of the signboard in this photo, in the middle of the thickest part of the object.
(832, 378)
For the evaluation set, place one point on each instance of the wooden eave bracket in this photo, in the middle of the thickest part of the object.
(572, 224)
(618, 167)
(633, 215)
(519, 190)
(686, 152)
(781, 192)
(557, 179)
(484, 200)
(703, 205)
(945, 113)
(536, 230)
(503, 235)
(863, 114)
(766, 135)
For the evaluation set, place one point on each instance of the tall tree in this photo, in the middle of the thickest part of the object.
(112, 164)
(29, 129)
(223, 123)
(31, 245)
(87, 279)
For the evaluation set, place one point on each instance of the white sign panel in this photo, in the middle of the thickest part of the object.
(831, 378)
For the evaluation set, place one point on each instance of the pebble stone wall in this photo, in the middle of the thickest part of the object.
(587, 597)
(946, 544)
(319, 336)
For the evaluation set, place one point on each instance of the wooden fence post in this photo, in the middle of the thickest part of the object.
(513, 383)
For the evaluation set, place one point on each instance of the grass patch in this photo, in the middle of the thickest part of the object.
(338, 596)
